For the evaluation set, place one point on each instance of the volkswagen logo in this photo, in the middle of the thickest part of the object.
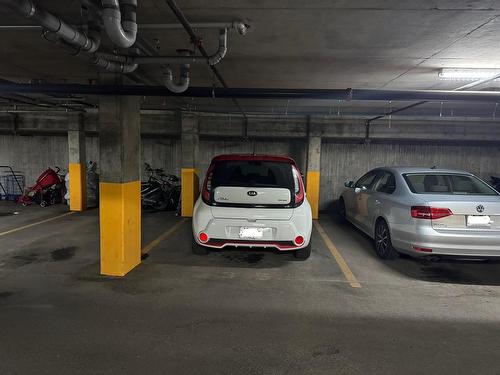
(252, 193)
(480, 208)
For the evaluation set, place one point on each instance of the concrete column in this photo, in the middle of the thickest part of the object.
(77, 163)
(189, 174)
(313, 170)
(120, 185)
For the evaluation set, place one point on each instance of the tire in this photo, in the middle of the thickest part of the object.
(304, 253)
(342, 211)
(382, 242)
(198, 249)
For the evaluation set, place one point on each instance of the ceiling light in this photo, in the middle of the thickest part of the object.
(454, 74)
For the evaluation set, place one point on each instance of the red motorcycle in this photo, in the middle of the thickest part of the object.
(49, 189)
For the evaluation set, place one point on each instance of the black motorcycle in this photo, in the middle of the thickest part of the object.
(495, 181)
(161, 191)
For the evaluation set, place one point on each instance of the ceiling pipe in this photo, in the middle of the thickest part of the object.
(121, 32)
(221, 52)
(28, 9)
(184, 76)
(212, 59)
(253, 93)
(194, 38)
(461, 88)
(241, 27)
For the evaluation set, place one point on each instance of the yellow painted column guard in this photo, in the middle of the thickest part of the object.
(312, 181)
(77, 187)
(189, 191)
(120, 223)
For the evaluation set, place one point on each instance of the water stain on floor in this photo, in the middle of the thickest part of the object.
(442, 273)
(250, 258)
(26, 259)
(63, 253)
(5, 294)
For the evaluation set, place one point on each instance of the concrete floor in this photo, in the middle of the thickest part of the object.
(235, 312)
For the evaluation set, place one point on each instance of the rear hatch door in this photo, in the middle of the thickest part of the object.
(252, 203)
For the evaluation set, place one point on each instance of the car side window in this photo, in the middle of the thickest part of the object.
(367, 180)
(386, 183)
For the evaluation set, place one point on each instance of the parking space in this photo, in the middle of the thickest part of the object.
(190, 313)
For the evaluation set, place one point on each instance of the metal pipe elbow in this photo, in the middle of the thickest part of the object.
(184, 80)
(122, 33)
(221, 52)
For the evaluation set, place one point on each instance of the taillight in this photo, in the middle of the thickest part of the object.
(203, 237)
(207, 185)
(299, 240)
(299, 187)
(430, 213)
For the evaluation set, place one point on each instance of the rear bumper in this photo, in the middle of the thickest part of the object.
(280, 245)
(278, 234)
(448, 243)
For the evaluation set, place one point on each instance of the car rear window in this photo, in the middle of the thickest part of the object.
(253, 173)
(452, 184)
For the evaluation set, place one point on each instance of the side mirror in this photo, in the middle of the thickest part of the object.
(348, 184)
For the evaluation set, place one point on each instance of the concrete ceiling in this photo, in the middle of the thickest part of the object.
(373, 44)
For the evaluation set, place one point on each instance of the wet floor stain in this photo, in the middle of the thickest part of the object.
(250, 258)
(26, 259)
(63, 253)
(439, 273)
(325, 350)
(5, 294)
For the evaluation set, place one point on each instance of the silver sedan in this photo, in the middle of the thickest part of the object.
(424, 212)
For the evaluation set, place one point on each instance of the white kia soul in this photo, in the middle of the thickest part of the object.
(253, 201)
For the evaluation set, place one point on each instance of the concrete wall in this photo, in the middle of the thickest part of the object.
(33, 154)
(402, 141)
(347, 161)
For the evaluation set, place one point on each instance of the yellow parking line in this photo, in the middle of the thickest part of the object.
(162, 237)
(338, 257)
(33, 224)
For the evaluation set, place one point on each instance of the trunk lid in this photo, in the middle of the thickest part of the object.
(470, 213)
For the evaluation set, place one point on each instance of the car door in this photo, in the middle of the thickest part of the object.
(380, 203)
(363, 192)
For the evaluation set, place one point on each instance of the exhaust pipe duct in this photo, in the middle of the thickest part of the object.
(61, 29)
(184, 76)
(122, 33)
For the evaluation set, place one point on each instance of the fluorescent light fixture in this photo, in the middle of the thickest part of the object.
(456, 74)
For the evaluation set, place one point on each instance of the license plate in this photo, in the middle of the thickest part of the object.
(253, 233)
(478, 221)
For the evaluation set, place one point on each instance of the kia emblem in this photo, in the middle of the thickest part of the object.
(480, 208)
(252, 193)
